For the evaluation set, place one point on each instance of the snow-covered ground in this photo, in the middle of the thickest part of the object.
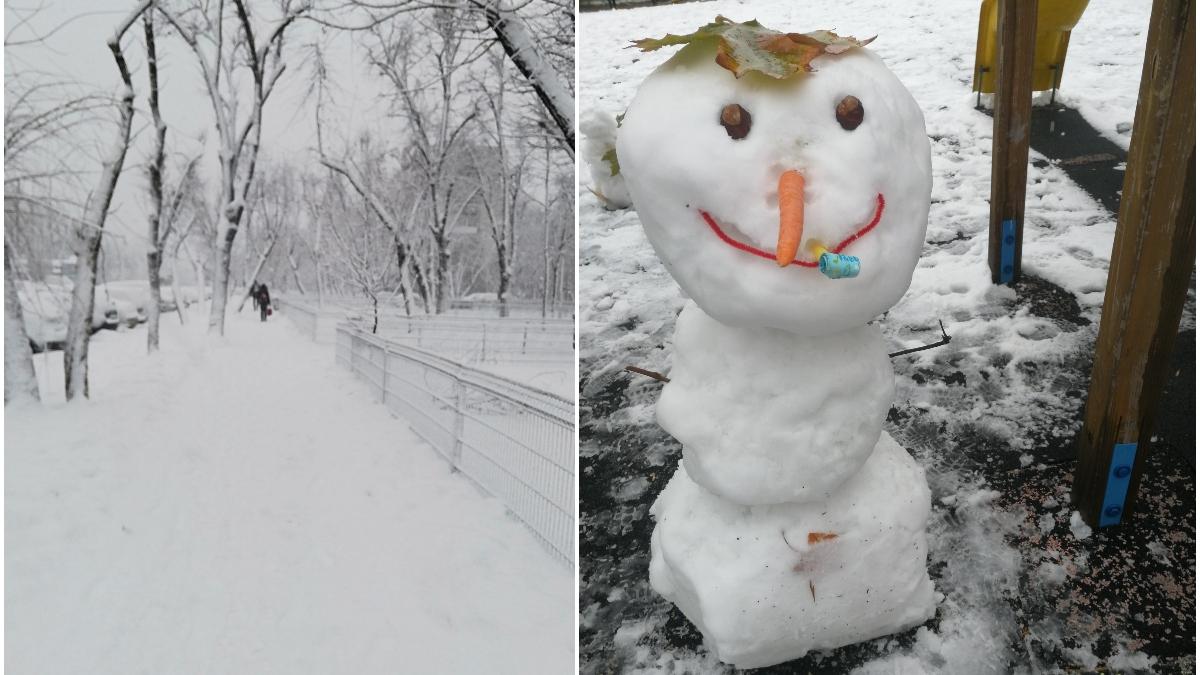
(246, 506)
(1005, 392)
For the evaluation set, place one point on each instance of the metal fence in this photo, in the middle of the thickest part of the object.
(515, 442)
(529, 308)
(467, 339)
(476, 340)
(317, 324)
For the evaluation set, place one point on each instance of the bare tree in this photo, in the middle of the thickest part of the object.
(367, 176)
(546, 301)
(88, 233)
(437, 123)
(361, 255)
(155, 171)
(39, 111)
(536, 35)
(274, 201)
(501, 178)
(314, 203)
(223, 52)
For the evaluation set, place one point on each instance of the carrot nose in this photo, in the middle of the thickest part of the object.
(791, 216)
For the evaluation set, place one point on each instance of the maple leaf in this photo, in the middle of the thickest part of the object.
(746, 47)
(610, 157)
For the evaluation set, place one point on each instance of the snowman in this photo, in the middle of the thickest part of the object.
(784, 181)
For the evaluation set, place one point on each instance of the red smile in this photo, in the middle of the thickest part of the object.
(712, 223)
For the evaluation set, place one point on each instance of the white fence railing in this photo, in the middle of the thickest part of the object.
(319, 324)
(473, 340)
(466, 339)
(516, 307)
(515, 442)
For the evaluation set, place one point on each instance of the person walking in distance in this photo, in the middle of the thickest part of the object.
(264, 301)
(254, 293)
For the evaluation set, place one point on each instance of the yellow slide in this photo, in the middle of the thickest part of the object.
(1055, 19)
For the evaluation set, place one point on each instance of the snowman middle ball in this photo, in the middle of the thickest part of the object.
(704, 176)
(766, 416)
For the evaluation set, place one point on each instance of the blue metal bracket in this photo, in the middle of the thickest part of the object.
(1119, 473)
(1008, 249)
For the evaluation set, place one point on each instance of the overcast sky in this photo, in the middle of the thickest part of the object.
(77, 52)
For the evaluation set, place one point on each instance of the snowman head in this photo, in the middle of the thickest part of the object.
(751, 153)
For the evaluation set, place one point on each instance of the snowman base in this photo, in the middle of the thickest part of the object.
(767, 584)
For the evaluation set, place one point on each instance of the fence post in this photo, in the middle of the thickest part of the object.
(384, 385)
(1148, 276)
(1016, 34)
(456, 453)
(483, 352)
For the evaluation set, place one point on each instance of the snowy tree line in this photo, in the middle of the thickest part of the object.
(469, 190)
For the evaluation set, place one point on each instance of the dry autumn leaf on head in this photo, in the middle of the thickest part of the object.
(746, 47)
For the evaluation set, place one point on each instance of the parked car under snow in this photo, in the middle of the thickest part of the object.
(128, 300)
(138, 292)
(46, 307)
(44, 314)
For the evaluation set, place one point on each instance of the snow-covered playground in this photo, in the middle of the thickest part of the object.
(245, 505)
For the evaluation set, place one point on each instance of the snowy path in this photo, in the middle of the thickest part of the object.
(245, 507)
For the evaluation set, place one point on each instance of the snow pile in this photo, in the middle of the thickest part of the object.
(1080, 529)
(245, 506)
(599, 129)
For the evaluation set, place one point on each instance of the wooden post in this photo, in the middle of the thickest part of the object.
(1152, 258)
(1016, 35)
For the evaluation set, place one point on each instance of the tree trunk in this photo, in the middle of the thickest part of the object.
(88, 233)
(20, 379)
(546, 238)
(319, 268)
(79, 319)
(179, 302)
(222, 255)
(422, 281)
(154, 256)
(153, 313)
(443, 274)
(296, 273)
(201, 282)
(401, 259)
(502, 290)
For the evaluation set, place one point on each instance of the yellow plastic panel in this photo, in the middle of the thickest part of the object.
(1055, 19)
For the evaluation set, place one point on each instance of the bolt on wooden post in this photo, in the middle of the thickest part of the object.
(1016, 36)
(1152, 260)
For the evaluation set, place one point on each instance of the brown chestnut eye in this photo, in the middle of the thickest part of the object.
(736, 121)
(849, 113)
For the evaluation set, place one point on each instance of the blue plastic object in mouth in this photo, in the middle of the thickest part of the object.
(838, 266)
